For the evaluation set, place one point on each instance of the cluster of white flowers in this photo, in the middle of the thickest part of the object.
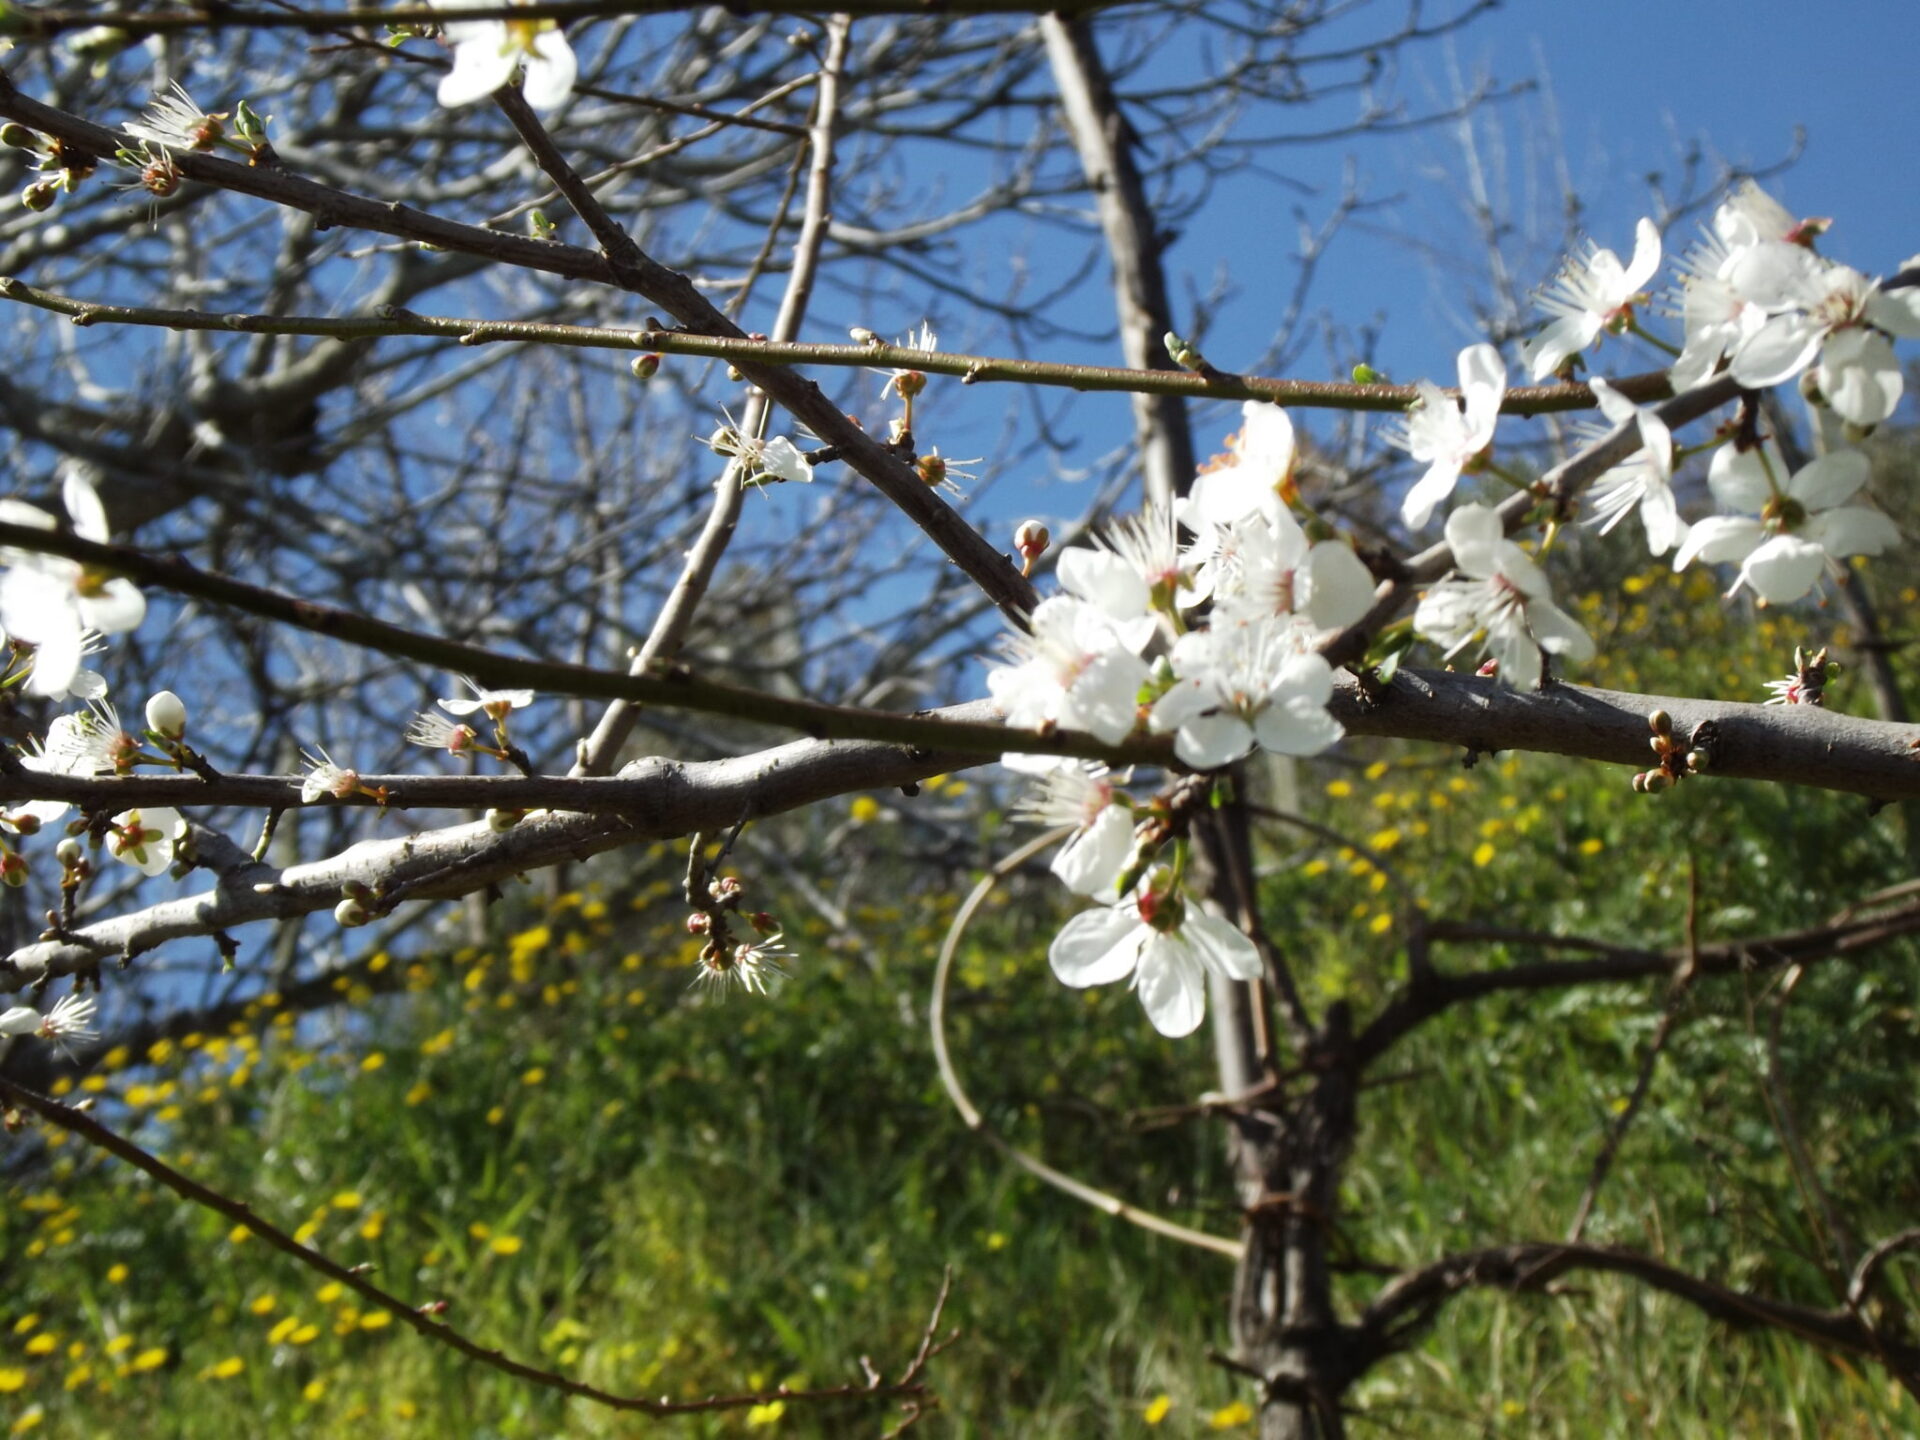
(1216, 639)
(1211, 641)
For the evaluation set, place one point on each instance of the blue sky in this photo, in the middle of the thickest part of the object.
(1630, 85)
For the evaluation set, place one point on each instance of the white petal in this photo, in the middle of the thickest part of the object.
(483, 61)
(1207, 742)
(1776, 275)
(56, 658)
(1897, 311)
(1340, 585)
(1097, 947)
(1661, 517)
(1104, 579)
(1428, 491)
(1859, 376)
(1103, 700)
(551, 69)
(1558, 632)
(1172, 986)
(1090, 863)
(1646, 256)
(119, 606)
(1719, 538)
(1831, 479)
(1777, 351)
(1852, 530)
(1221, 946)
(1784, 568)
(1483, 381)
(1566, 336)
(83, 505)
(1745, 479)
(1296, 726)
(1474, 534)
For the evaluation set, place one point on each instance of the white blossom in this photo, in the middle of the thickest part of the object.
(1451, 437)
(1503, 593)
(761, 460)
(1645, 481)
(495, 703)
(1264, 568)
(1081, 794)
(174, 122)
(1818, 307)
(325, 778)
(1256, 475)
(1594, 292)
(1802, 528)
(1242, 685)
(487, 52)
(1134, 576)
(1166, 943)
(1073, 669)
(70, 1019)
(145, 838)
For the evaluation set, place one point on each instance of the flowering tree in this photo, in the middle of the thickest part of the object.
(1148, 666)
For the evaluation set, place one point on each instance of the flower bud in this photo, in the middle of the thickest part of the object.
(167, 715)
(699, 923)
(70, 852)
(645, 367)
(18, 136)
(351, 913)
(1658, 780)
(39, 195)
(1031, 539)
(13, 868)
(1699, 759)
(1660, 722)
(501, 821)
(101, 42)
(28, 824)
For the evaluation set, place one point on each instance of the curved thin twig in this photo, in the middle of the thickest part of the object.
(950, 1078)
(426, 1320)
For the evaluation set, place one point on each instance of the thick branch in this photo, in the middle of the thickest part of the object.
(669, 799)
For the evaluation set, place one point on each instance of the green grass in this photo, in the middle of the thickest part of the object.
(665, 1194)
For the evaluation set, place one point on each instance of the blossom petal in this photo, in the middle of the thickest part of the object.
(1474, 534)
(1340, 585)
(1207, 742)
(1172, 986)
(1777, 351)
(1783, 569)
(483, 61)
(1090, 863)
(1557, 632)
(1646, 255)
(551, 69)
(1859, 376)
(1428, 491)
(1826, 482)
(1097, 947)
(1221, 946)
(1852, 530)
(1296, 726)
(1719, 538)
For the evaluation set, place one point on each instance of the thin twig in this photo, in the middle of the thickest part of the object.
(950, 1079)
(415, 1317)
